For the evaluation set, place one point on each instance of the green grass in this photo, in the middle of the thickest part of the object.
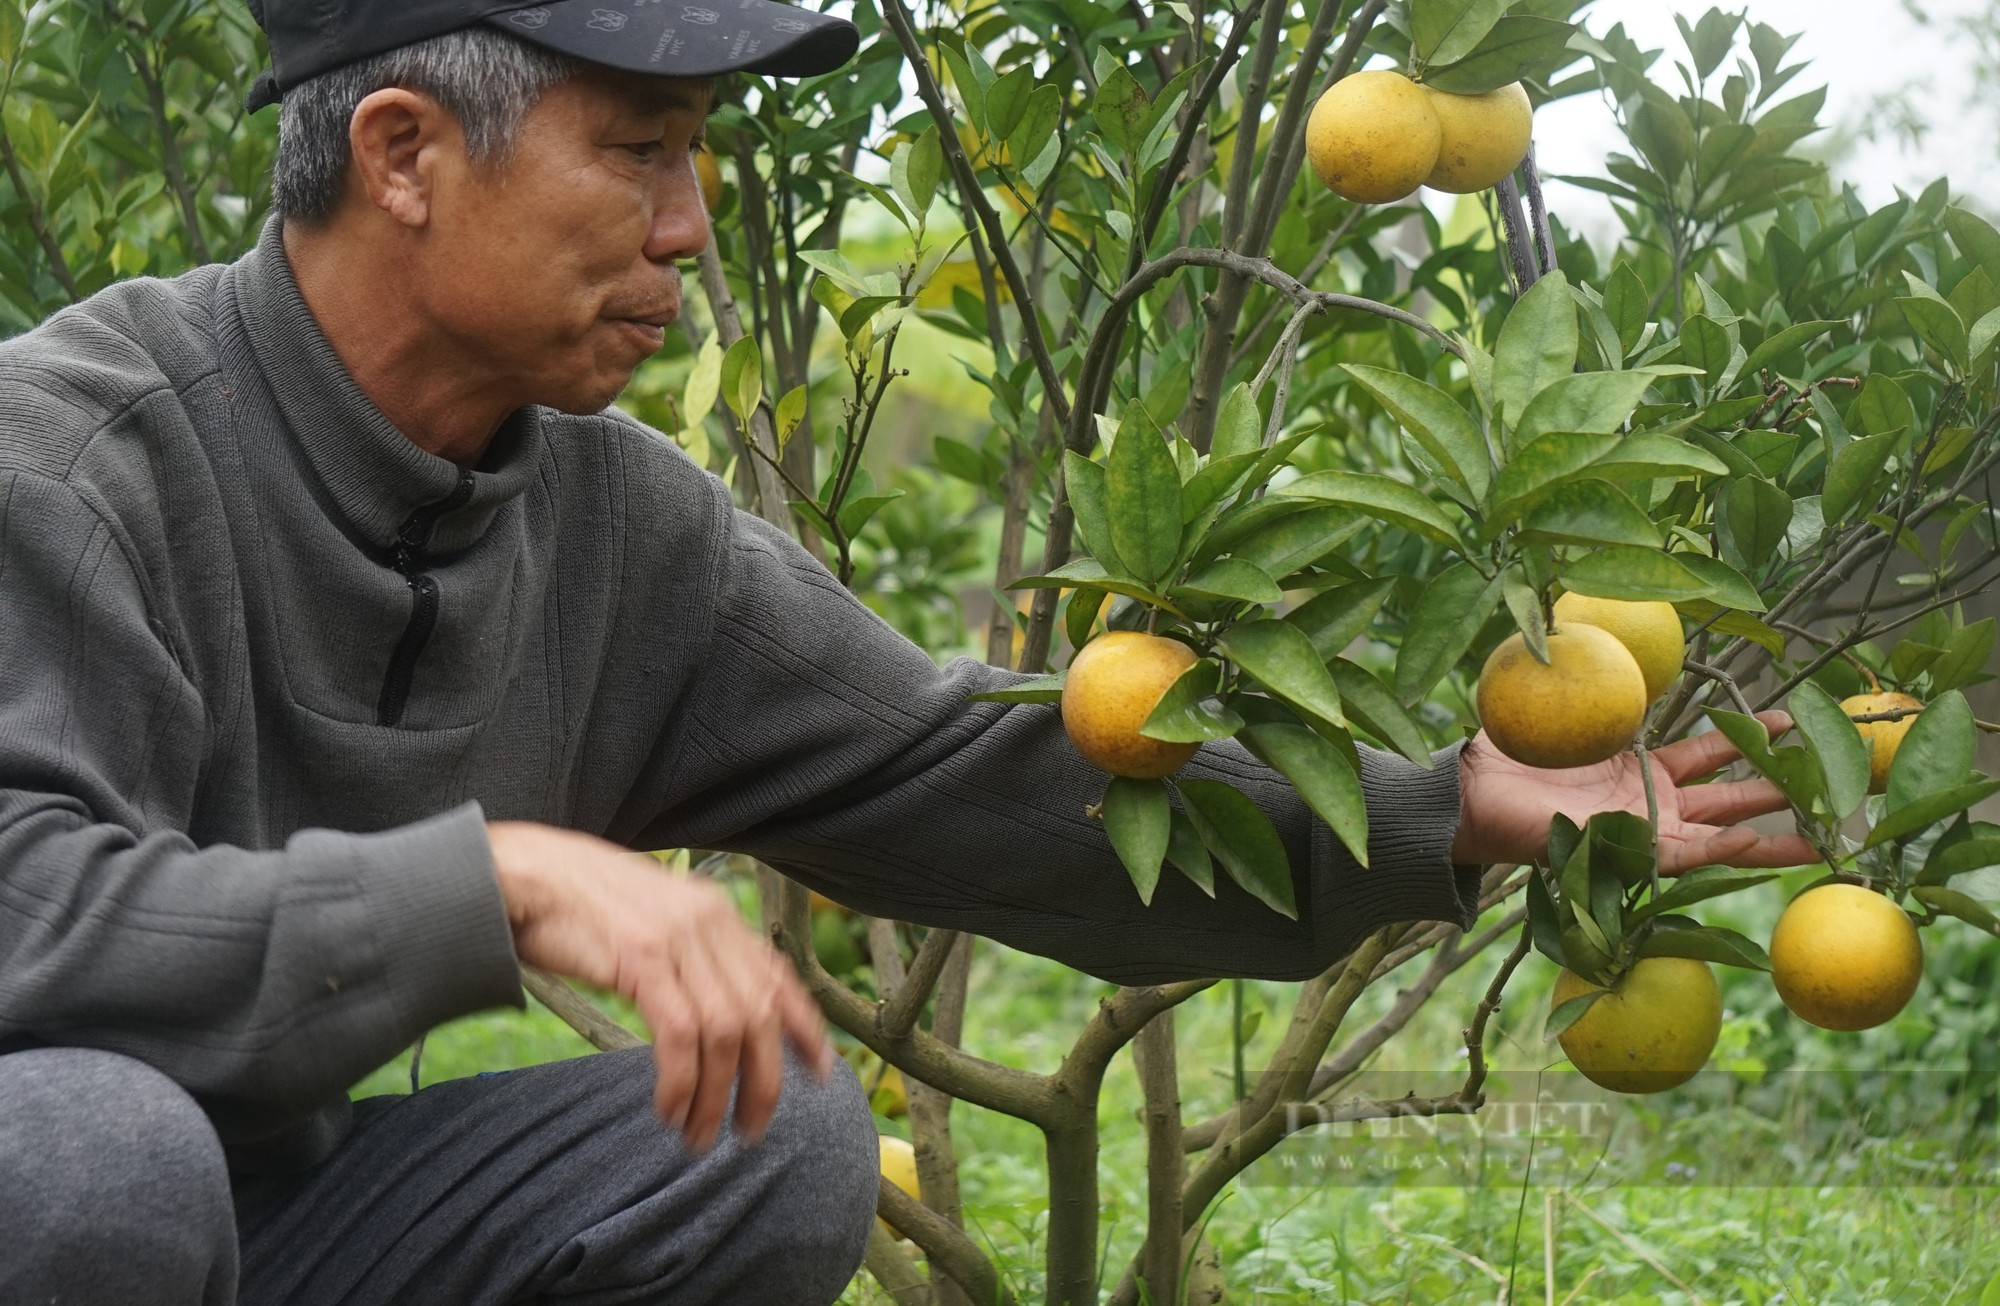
(1869, 1242)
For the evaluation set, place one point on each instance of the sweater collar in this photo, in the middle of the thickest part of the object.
(377, 477)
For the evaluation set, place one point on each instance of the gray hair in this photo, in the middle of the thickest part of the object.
(487, 79)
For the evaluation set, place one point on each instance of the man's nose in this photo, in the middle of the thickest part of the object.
(680, 217)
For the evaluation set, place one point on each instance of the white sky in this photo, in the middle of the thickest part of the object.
(1860, 50)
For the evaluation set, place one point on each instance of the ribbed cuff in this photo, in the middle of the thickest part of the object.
(440, 922)
(1412, 819)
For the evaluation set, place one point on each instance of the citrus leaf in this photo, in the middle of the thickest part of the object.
(1142, 499)
(1537, 345)
(1698, 885)
(1706, 943)
(1281, 657)
(1590, 513)
(1783, 341)
(1757, 513)
(1520, 46)
(1953, 903)
(1937, 753)
(1842, 753)
(743, 377)
(1242, 838)
(1543, 924)
(1568, 1012)
(1335, 618)
(1378, 496)
(1947, 860)
(1083, 482)
(1650, 457)
(1041, 689)
(1726, 585)
(1139, 820)
(1595, 403)
(1296, 540)
(1322, 774)
(1445, 31)
(1187, 852)
(1928, 810)
(1546, 461)
(1633, 574)
(1189, 712)
(1444, 429)
(1369, 704)
(1853, 475)
(1525, 605)
(1442, 626)
(1232, 578)
(1239, 427)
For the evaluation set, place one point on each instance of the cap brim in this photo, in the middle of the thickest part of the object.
(689, 38)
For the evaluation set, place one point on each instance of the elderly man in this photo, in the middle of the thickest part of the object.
(349, 642)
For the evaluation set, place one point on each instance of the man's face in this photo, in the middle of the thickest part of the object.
(558, 267)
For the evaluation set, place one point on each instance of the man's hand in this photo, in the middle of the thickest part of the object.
(1506, 807)
(719, 1000)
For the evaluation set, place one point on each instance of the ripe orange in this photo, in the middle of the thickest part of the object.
(1583, 706)
(1845, 957)
(1652, 1031)
(1113, 685)
(1882, 737)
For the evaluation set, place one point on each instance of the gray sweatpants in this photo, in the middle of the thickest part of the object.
(550, 1184)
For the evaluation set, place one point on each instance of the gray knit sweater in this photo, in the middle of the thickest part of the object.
(266, 668)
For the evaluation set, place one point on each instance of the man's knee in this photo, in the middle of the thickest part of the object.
(823, 1141)
(112, 1184)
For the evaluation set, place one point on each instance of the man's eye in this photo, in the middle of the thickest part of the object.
(645, 149)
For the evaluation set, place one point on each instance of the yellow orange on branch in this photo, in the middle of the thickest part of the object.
(1882, 737)
(1112, 686)
(1652, 1030)
(1582, 706)
(1481, 138)
(1845, 957)
(1373, 137)
(1650, 631)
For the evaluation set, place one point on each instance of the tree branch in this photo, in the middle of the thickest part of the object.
(944, 1243)
(577, 1011)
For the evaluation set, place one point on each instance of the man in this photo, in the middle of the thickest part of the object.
(350, 640)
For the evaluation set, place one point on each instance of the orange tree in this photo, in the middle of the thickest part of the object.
(1340, 452)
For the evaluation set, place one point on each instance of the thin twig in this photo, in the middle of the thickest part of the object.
(577, 1011)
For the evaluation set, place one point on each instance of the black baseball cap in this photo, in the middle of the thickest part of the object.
(671, 38)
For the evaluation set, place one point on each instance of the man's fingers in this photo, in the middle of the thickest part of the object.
(1738, 845)
(723, 1030)
(1730, 802)
(676, 1050)
(1700, 755)
(803, 1023)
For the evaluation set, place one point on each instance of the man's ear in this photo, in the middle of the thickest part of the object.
(399, 141)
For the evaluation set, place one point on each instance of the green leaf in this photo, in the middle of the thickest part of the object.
(1544, 926)
(1590, 402)
(1975, 238)
(1281, 657)
(1519, 47)
(1853, 478)
(855, 513)
(1083, 481)
(1542, 462)
(1236, 830)
(1953, 903)
(1121, 109)
(1653, 457)
(1937, 753)
(1568, 1012)
(970, 88)
(1445, 430)
(1297, 540)
(915, 168)
(1625, 302)
(1040, 689)
(1842, 753)
(1037, 126)
(1934, 320)
(1442, 626)
(1783, 341)
(1322, 774)
(1928, 810)
(1007, 102)
(743, 377)
(1524, 602)
(1726, 585)
(1232, 578)
(1187, 852)
(1142, 498)
(1708, 345)
(1634, 574)
(1335, 618)
(1757, 513)
(1445, 31)
(1793, 769)
(1537, 345)
(1590, 513)
(1239, 427)
(1698, 885)
(1369, 704)
(790, 412)
(1706, 943)
(1965, 657)
(1218, 477)
(1382, 497)
(1947, 860)
(1139, 820)
(1189, 712)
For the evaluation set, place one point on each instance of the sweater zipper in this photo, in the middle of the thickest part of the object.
(408, 556)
